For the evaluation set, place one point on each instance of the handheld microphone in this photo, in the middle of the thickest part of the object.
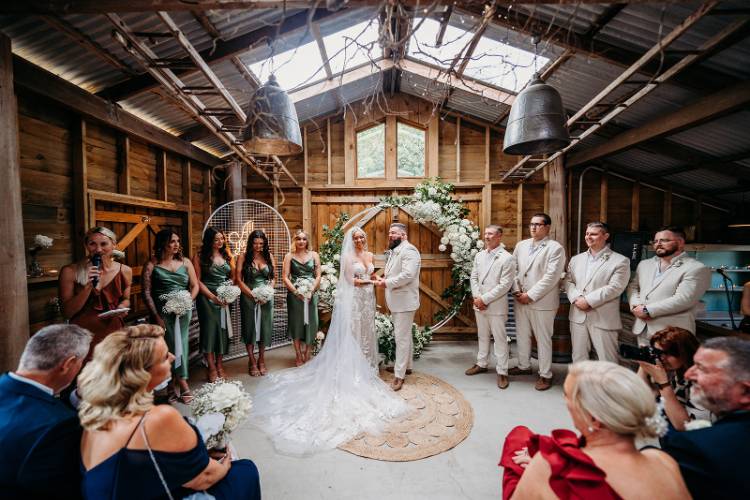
(96, 260)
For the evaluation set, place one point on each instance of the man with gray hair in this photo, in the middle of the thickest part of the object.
(39, 435)
(401, 283)
(713, 459)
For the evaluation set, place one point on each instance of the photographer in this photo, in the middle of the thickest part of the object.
(674, 349)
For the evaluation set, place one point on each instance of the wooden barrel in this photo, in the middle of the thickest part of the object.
(562, 347)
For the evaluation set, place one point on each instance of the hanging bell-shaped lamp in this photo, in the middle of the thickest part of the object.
(272, 127)
(536, 123)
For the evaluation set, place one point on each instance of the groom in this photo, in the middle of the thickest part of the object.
(401, 283)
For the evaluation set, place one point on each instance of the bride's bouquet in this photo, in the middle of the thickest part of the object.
(263, 293)
(219, 408)
(228, 292)
(304, 287)
(179, 302)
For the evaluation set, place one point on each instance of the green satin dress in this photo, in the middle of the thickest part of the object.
(214, 339)
(165, 281)
(254, 278)
(296, 309)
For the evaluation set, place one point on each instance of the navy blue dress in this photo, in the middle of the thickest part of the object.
(131, 474)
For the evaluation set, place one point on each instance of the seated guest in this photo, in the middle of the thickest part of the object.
(677, 347)
(39, 435)
(610, 406)
(713, 460)
(133, 449)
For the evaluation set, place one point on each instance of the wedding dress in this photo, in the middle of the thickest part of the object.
(337, 394)
(363, 315)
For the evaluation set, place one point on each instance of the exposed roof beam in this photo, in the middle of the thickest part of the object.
(603, 19)
(741, 187)
(223, 50)
(463, 60)
(705, 109)
(33, 78)
(206, 23)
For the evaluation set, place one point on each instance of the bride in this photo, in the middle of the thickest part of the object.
(338, 394)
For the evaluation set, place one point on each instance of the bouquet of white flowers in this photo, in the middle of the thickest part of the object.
(179, 302)
(263, 293)
(304, 287)
(42, 241)
(219, 408)
(228, 292)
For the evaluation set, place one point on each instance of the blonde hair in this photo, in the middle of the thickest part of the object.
(297, 233)
(82, 266)
(359, 230)
(615, 396)
(113, 384)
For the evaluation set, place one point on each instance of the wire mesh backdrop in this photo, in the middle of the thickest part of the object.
(237, 219)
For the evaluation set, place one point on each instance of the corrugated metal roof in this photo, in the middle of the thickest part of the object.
(701, 179)
(726, 136)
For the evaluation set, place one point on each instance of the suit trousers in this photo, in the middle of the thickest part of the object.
(605, 342)
(540, 324)
(402, 322)
(492, 324)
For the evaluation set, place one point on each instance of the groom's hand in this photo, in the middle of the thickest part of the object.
(380, 283)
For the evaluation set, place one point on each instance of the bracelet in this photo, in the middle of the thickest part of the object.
(664, 385)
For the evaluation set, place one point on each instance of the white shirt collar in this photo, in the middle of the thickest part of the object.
(34, 383)
(595, 255)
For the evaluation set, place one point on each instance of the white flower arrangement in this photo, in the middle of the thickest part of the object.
(387, 340)
(694, 425)
(263, 293)
(41, 241)
(179, 302)
(228, 292)
(219, 408)
(304, 287)
(327, 291)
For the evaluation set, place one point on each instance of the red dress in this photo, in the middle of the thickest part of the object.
(573, 474)
(98, 302)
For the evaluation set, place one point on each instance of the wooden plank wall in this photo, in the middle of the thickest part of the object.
(47, 138)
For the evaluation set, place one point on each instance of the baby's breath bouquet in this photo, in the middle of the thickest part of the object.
(219, 408)
(228, 292)
(304, 287)
(263, 293)
(179, 302)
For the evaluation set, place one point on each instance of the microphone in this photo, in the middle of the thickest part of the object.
(96, 260)
(723, 272)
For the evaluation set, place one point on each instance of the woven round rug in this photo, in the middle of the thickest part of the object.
(439, 419)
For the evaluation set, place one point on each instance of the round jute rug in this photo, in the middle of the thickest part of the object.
(440, 419)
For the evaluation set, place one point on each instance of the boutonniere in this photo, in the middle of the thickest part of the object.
(694, 425)
(605, 257)
(677, 263)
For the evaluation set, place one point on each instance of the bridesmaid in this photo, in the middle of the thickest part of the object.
(301, 262)
(166, 272)
(83, 300)
(254, 268)
(213, 265)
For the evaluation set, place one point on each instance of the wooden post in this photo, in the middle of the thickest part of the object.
(458, 149)
(14, 296)
(668, 206)
(391, 152)
(207, 195)
(519, 213)
(487, 154)
(328, 150)
(304, 152)
(187, 199)
(161, 175)
(306, 210)
(123, 164)
(81, 207)
(433, 146)
(603, 196)
(635, 208)
(556, 189)
(485, 216)
(350, 153)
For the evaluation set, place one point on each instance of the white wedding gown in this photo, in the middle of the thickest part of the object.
(337, 394)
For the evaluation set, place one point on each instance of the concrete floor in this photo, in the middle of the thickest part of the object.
(468, 471)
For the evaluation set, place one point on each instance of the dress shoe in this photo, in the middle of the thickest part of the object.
(542, 384)
(475, 369)
(397, 384)
(390, 370)
(502, 381)
(518, 371)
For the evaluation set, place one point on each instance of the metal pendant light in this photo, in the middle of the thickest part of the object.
(536, 123)
(272, 127)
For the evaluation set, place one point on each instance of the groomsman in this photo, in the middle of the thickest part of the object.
(541, 262)
(595, 280)
(491, 278)
(401, 283)
(667, 287)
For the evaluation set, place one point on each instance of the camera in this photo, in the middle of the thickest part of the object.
(640, 353)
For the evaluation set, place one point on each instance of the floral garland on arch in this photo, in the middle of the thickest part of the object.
(432, 202)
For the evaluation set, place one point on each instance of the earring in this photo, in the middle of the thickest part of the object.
(590, 428)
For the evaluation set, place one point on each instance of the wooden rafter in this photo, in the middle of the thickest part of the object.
(206, 23)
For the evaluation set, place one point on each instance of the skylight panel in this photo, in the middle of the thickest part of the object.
(293, 68)
(353, 46)
(422, 45)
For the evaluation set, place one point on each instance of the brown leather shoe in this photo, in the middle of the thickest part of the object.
(517, 371)
(502, 381)
(390, 370)
(475, 369)
(542, 384)
(397, 384)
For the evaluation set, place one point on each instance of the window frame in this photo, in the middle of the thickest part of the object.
(356, 149)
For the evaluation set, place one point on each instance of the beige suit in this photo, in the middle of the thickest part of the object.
(491, 279)
(669, 298)
(402, 298)
(600, 282)
(539, 275)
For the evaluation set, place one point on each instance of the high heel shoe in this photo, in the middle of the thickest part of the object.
(221, 372)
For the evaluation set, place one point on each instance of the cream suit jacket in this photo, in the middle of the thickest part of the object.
(492, 282)
(602, 290)
(670, 301)
(539, 274)
(402, 278)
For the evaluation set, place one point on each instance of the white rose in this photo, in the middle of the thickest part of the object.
(334, 280)
(432, 191)
(224, 396)
(320, 336)
(324, 285)
(465, 222)
(444, 240)
(442, 248)
(474, 252)
(454, 256)
(480, 244)
(337, 257)
(210, 424)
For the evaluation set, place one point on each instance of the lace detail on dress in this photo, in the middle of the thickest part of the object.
(363, 316)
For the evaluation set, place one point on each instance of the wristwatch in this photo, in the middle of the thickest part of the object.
(645, 310)
(663, 386)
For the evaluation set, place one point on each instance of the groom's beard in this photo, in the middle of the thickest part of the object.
(394, 243)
